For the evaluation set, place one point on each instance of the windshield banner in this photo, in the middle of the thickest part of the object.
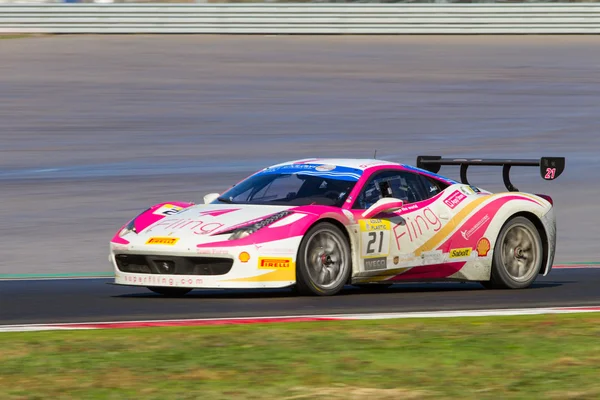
(320, 170)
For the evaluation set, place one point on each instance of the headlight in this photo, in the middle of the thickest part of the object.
(241, 233)
(244, 231)
(130, 227)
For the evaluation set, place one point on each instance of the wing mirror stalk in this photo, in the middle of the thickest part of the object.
(385, 205)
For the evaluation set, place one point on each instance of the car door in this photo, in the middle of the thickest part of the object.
(396, 240)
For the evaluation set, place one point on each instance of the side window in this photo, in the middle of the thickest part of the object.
(432, 186)
(406, 186)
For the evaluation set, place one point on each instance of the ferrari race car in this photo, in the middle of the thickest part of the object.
(319, 224)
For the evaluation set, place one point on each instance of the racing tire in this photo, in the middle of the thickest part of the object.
(518, 256)
(324, 261)
(170, 291)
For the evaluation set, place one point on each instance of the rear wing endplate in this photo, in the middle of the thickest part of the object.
(550, 167)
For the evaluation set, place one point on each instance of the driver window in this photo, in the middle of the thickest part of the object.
(402, 185)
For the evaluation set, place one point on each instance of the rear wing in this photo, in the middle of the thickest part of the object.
(550, 167)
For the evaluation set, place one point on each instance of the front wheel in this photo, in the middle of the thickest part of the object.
(170, 291)
(324, 261)
(517, 255)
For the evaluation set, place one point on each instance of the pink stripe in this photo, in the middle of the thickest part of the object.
(479, 222)
(192, 322)
(430, 271)
(147, 218)
(575, 266)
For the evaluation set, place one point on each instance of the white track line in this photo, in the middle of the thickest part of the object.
(297, 318)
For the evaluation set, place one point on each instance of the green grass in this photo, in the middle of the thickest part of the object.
(549, 357)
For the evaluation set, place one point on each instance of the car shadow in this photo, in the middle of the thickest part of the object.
(401, 288)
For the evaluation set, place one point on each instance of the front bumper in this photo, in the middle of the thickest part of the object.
(269, 266)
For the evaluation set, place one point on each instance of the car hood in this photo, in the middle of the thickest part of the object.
(204, 221)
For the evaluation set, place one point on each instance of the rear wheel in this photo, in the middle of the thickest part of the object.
(517, 255)
(169, 291)
(324, 261)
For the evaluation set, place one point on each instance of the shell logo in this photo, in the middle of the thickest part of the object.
(244, 257)
(483, 247)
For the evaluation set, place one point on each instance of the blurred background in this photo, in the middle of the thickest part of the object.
(96, 129)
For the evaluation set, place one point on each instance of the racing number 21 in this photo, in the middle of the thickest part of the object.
(373, 241)
(550, 172)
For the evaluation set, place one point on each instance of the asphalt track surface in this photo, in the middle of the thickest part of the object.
(94, 300)
(94, 129)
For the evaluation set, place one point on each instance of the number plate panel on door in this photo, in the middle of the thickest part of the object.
(374, 237)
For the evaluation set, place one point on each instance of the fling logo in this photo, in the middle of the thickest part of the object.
(413, 229)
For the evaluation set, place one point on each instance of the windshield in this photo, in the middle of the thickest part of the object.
(295, 185)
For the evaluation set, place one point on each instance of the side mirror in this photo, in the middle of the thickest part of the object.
(209, 198)
(387, 204)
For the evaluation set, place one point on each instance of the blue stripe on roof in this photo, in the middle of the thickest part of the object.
(324, 171)
(434, 175)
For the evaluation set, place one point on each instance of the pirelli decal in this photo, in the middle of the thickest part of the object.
(274, 263)
(165, 241)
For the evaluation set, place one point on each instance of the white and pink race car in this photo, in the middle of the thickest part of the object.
(320, 224)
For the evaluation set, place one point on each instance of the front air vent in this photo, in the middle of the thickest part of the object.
(169, 265)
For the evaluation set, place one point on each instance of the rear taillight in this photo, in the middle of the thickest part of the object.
(546, 197)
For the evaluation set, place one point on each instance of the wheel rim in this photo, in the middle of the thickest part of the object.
(325, 259)
(520, 253)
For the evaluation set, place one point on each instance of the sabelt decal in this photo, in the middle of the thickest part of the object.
(460, 253)
(375, 263)
(274, 263)
(166, 241)
(483, 247)
(454, 199)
